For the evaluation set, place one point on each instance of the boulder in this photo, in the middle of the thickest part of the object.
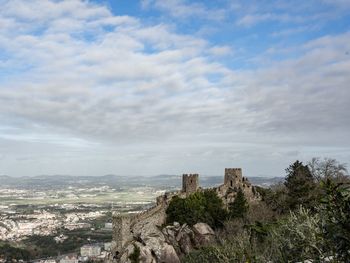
(146, 255)
(185, 244)
(169, 255)
(203, 229)
(204, 234)
(176, 225)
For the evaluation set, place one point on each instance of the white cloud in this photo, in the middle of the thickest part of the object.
(138, 90)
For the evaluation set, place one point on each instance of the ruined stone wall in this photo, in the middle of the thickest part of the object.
(126, 226)
(146, 214)
(189, 183)
(121, 232)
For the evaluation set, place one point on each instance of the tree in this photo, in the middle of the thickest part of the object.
(204, 207)
(301, 187)
(214, 208)
(328, 168)
(297, 238)
(275, 197)
(239, 207)
(177, 211)
(335, 217)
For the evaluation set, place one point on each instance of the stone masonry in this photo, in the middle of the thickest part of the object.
(233, 177)
(121, 232)
(189, 183)
(126, 227)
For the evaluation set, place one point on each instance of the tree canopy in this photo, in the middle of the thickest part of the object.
(300, 186)
(239, 207)
(204, 207)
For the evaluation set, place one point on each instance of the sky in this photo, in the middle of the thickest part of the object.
(172, 86)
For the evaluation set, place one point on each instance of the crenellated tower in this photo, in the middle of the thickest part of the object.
(189, 183)
(233, 177)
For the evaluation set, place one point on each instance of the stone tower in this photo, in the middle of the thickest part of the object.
(189, 183)
(233, 177)
(121, 232)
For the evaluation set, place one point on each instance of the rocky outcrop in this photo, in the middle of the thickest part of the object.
(204, 234)
(167, 244)
(158, 244)
(184, 238)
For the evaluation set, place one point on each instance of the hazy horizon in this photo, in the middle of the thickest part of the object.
(172, 86)
(132, 175)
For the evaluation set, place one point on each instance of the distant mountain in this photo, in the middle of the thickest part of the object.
(117, 181)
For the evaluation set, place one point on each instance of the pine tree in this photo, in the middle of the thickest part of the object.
(239, 207)
(300, 186)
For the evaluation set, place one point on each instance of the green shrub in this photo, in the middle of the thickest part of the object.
(204, 207)
(10, 253)
(135, 255)
(297, 238)
(335, 219)
(239, 207)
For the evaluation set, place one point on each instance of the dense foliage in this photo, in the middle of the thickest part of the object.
(304, 219)
(45, 246)
(335, 219)
(13, 253)
(239, 207)
(300, 186)
(135, 255)
(203, 206)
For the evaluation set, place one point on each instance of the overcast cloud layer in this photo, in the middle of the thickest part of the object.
(172, 86)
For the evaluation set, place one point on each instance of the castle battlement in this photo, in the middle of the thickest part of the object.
(190, 183)
(233, 177)
(126, 226)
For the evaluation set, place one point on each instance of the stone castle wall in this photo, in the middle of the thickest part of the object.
(121, 232)
(127, 226)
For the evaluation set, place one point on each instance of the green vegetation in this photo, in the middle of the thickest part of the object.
(203, 206)
(135, 255)
(46, 246)
(12, 253)
(335, 219)
(239, 207)
(305, 218)
(300, 186)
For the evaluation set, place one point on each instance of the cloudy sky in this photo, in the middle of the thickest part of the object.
(172, 86)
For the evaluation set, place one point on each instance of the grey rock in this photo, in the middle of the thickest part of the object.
(169, 255)
(203, 229)
(204, 234)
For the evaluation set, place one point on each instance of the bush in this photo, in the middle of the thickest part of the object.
(204, 207)
(312, 222)
(297, 238)
(275, 197)
(233, 251)
(10, 253)
(335, 215)
(292, 239)
(134, 256)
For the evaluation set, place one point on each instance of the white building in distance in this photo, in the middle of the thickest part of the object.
(90, 250)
